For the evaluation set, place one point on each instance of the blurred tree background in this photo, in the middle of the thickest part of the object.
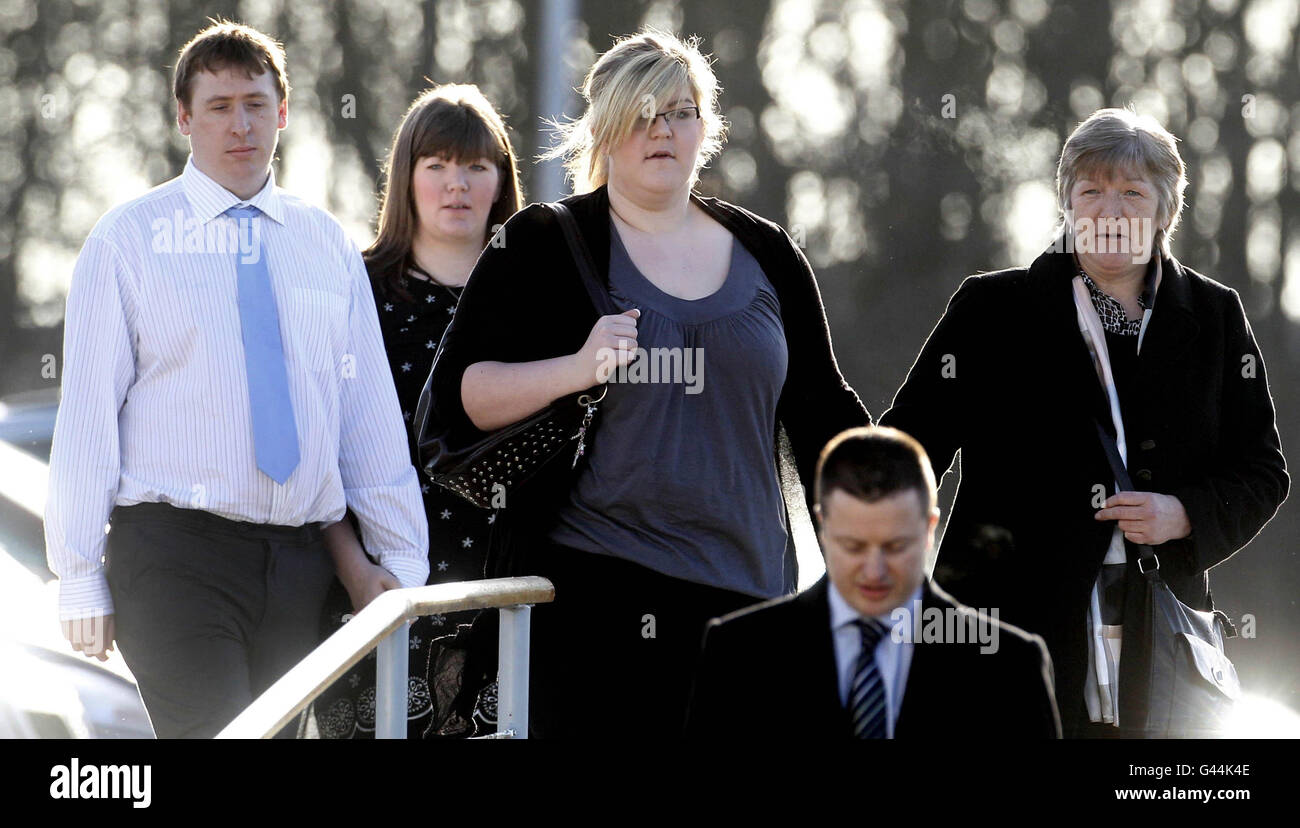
(909, 144)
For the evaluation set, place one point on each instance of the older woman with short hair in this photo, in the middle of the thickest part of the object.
(1104, 329)
(675, 513)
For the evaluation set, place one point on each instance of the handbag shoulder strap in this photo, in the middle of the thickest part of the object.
(1148, 563)
(600, 297)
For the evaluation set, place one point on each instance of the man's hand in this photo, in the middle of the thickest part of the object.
(1146, 517)
(362, 579)
(365, 582)
(92, 636)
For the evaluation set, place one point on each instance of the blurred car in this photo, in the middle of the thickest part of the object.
(46, 689)
(26, 433)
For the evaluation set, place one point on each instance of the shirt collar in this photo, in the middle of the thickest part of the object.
(843, 614)
(209, 199)
(1147, 298)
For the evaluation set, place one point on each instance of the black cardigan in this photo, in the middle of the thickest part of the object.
(524, 301)
(1006, 378)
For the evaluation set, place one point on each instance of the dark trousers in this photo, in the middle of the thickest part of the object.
(615, 654)
(209, 612)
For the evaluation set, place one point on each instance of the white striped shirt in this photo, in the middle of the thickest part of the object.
(155, 397)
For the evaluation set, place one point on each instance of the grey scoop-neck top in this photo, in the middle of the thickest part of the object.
(682, 474)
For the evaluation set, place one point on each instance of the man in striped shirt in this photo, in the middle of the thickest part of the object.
(225, 396)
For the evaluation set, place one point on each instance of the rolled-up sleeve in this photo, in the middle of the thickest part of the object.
(85, 459)
(379, 483)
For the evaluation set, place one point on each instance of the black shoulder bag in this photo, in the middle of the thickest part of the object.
(1190, 685)
(495, 467)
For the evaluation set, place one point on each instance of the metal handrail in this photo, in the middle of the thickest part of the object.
(383, 623)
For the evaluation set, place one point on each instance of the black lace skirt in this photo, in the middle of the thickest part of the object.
(438, 648)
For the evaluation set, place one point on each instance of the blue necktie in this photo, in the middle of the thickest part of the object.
(867, 693)
(275, 433)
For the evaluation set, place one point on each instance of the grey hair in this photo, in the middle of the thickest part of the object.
(1116, 141)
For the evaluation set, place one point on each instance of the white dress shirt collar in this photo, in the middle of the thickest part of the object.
(842, 613)
(893, 657)
(209, 199)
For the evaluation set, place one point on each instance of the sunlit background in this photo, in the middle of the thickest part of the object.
(908, 144)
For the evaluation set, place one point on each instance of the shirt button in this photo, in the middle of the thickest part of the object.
(1144, 475)
(1147, 445)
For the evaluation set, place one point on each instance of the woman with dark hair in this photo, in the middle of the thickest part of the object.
(674, 510)
(1106, 333)
(452, 181)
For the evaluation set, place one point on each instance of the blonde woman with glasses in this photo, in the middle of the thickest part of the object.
(674, 512)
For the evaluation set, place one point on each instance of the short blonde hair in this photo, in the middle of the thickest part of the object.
(650, 66)
(1120, 141)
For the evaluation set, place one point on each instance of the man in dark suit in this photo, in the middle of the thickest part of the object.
(873, 650)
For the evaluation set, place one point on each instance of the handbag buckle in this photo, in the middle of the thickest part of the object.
(587, 400)
(1142, 568)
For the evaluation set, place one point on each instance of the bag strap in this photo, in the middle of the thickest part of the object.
(596, 289)
(1147, 561)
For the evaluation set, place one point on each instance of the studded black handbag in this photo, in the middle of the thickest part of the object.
(489, 471)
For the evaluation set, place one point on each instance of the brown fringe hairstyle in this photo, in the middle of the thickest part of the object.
(453, 121)
(224, 44)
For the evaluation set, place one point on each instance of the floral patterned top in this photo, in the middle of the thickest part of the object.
(458, 542)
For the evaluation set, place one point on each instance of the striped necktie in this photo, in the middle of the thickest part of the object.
(867, 693)
(275, 432)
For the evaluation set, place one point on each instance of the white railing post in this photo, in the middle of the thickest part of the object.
(390, 684)
(385, 624)
(512, 672)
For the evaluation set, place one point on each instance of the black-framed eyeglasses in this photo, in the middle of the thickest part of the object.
(672, 116)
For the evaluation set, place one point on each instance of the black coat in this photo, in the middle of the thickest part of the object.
(772, 668)
(525, 301)
(1006, 378)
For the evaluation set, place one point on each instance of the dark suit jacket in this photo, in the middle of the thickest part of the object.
(1019, 398)
(769, 671)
